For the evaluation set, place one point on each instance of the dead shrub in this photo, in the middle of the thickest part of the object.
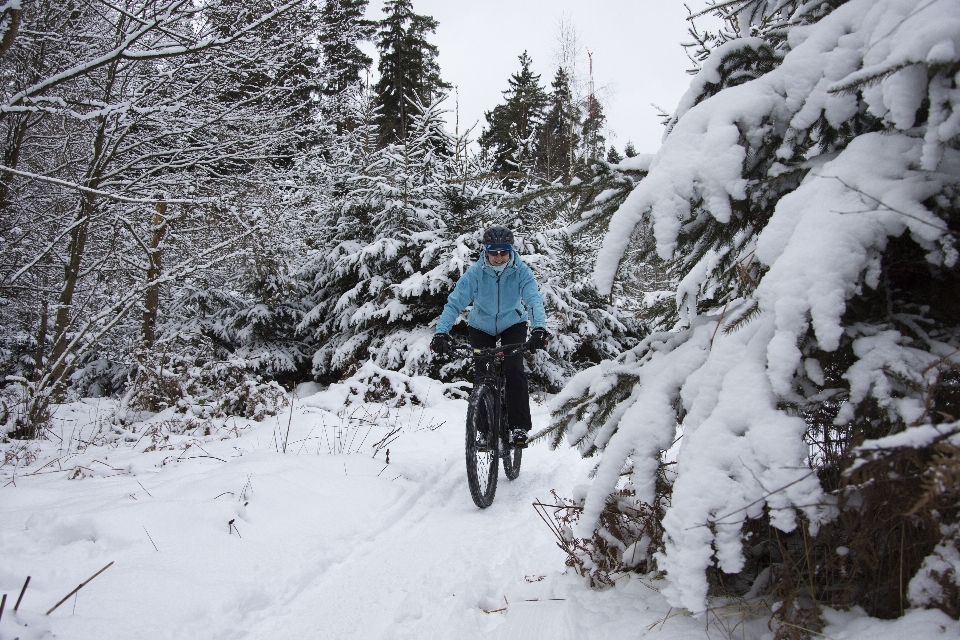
(628, 535)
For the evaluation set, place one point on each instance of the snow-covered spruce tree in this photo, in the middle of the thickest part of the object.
(512, 127)
(806, 194)
(342, 28)
(408, 67)
(404, 235)
(562, 238)
(559, 141)
(343, 226)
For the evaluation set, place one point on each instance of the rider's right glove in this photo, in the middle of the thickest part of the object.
(538, 339)
(440, 344)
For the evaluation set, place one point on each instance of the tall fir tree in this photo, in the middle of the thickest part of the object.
(594, 141)
(509, 138)
(559, 141)
(408, 68)
(342, 28)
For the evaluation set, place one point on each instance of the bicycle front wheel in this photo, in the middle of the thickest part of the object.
(481, 447)
(510, 454)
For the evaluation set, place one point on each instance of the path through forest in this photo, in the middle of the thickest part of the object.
(226, 536)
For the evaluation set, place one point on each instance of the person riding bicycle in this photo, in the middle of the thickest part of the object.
(504, 294)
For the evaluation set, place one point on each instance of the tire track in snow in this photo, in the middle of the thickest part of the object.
(434, 561)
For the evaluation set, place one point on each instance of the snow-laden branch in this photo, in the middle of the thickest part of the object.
(87, 335)
(98, 192)
(122, 51)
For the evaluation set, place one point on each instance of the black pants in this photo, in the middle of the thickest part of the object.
(518, 399)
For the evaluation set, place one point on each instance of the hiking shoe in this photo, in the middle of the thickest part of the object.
(519, 438)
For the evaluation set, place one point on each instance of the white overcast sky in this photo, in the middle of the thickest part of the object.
(637, 57)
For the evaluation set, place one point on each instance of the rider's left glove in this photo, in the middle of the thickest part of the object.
(538, 339)
(440, 344)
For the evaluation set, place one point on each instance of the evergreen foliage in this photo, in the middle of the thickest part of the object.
(559, 141)
(380, 291)
(806, 211)
(510, 135)
(408, 67)
(342, 27)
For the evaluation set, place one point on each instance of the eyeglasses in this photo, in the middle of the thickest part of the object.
(499, 253)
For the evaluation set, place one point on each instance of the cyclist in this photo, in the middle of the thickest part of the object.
(505, 295)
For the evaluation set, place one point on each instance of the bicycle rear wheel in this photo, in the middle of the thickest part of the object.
(481, 447)
(508, 453)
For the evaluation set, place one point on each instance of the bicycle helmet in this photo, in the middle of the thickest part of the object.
(498, 237)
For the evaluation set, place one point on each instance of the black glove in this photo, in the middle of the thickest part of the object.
(538, 339)
(440, 344)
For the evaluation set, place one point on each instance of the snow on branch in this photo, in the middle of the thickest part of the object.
(98, 192)
(175, 12)
(815, 182)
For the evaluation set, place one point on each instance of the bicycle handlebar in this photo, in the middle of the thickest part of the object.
(490, 352)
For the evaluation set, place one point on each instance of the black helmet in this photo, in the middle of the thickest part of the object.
(498, 235)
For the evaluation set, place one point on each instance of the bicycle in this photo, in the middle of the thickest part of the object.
(488, 432)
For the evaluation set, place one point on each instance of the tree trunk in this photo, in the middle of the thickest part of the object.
(78, 243)
(14, 15)
(151, 304)
(11, 156)
(41, 341)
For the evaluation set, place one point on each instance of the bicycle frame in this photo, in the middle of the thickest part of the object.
(494, 379)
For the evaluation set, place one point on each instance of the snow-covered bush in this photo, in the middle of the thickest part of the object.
(374, 384)
(406, 225)
(806, 198)
(201, 387)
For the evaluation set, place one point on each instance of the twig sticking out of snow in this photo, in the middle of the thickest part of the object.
(22, 591)
(80, 586)
(151, 539)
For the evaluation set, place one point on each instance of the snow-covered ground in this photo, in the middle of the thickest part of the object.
(225, 535)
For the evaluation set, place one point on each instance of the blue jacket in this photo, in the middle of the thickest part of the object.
(498, 302)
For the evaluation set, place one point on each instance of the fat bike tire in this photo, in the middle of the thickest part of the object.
(482, 462)
(510, 454)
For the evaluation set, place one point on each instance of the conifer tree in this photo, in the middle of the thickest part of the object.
(559, 141)
(805, 198)
(510, 135)
(342, 28)
(408, 68)
(373, 298)
(592, 132)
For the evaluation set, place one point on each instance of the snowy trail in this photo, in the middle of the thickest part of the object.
(433, 562)
(332, 546)
(320, 545)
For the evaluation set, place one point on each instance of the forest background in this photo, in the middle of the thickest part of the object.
(206, 203)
